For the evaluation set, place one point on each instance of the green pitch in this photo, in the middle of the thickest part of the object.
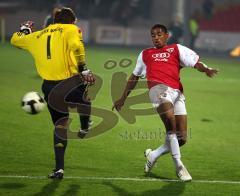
(112, 163)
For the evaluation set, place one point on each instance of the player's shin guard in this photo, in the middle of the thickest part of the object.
(60, 144)
(174, 149)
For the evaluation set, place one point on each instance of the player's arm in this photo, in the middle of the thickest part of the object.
(189, 58)
(75, 42)
(77, 47)
(131, 84)
(210, 72)
(80, 56)
(21, 39)
(81, 62)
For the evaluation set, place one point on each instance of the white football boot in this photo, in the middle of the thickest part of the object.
(150, 161)
(183, 175)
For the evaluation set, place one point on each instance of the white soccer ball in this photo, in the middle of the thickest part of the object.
(33, 102)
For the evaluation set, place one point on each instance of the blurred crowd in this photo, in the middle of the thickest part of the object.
(120, 12)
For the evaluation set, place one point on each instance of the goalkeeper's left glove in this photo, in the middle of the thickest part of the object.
(27, 27)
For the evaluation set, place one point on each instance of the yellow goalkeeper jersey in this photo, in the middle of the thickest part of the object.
(57, 50)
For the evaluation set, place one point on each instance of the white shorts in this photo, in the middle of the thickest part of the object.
(161, 93)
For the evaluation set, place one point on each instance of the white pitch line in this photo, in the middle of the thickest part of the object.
(124, 179)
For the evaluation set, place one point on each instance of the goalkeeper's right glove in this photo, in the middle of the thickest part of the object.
(27, 27)
(88, 77)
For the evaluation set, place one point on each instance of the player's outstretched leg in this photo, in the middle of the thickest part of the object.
(150, 160)
(153, 155)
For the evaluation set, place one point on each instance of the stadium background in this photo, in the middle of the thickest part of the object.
(112, 163)
(128, 22)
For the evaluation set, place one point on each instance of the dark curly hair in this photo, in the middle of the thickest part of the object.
(65, 15)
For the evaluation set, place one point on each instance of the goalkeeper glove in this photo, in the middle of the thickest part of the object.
(27, 27)
(88, 77)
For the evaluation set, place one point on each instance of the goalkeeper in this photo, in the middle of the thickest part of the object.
(59, 54)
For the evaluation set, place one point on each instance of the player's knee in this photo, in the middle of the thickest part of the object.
(182, 141)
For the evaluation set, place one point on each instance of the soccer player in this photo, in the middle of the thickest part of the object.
(59, 54)
(162, 65)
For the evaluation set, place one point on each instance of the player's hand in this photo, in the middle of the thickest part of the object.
(88, 77)
(27, 27)
(210, 72)
(118, 104)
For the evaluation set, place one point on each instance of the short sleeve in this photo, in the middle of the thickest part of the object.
(188, 57)
(140, 68)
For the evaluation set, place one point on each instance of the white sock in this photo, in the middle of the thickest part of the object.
(161, 150)
(175, 150)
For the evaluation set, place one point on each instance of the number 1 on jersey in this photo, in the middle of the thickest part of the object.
(48, 47)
